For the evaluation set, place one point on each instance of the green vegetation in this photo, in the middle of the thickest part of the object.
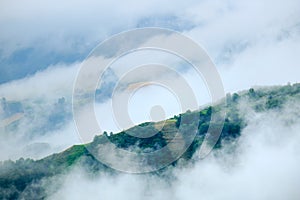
(16, 176)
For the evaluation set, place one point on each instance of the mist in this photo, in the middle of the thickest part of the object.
(262, 164)
(46, 124)
(252, 44)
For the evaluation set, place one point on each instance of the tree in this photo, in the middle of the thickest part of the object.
(235, 97)
(252, 93)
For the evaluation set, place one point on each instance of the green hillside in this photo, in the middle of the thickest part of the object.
(17, 176)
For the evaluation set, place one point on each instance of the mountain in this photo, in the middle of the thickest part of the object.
(23, 178)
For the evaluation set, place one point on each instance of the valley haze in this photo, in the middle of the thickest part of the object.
(255, 48)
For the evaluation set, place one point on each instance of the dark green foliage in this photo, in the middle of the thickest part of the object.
(252, 93)
(178, 121)
(274, 102)
(20, 178)
(123, 140)
(231, 129)
(235, 97)
(188, 154)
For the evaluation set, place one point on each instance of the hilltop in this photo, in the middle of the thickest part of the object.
(18, 178)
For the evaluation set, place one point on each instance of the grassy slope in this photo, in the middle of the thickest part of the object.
(16, 176)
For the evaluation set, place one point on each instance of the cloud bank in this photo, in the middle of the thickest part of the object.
(251, 43)
(241, 37)
(262, 164)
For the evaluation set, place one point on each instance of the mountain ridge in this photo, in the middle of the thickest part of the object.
(16, 176)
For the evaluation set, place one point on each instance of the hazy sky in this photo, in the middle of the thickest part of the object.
(252, 43)
(43, 43)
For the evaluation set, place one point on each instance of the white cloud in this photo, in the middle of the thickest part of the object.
(38, 95)
(62, 26)
(53, 83)
(241, 37)
(251, 42)
(264, 64)
(263, 165)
